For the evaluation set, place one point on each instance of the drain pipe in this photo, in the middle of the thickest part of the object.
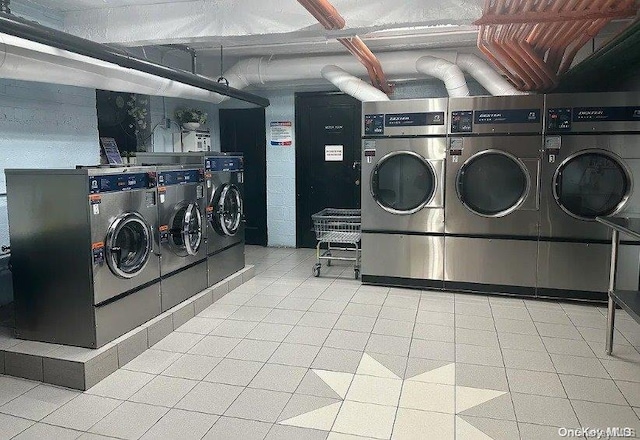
(448, 72)
(352, 85)
(491, 80)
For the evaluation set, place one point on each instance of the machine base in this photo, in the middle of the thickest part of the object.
(402, 282)
(225, 263)
(183, 284)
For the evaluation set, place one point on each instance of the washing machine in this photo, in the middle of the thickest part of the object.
(404, 149)
(492, 197)
(590, 160)
(84, 260)
(224, 176)
(181, 232)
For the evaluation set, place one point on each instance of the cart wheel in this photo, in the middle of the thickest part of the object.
(356, 273)
(328, 254)
(316, 270)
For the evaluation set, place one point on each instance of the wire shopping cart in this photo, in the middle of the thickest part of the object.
(340, 230)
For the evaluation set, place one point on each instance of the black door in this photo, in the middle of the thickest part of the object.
(243, 130)
(328, 146)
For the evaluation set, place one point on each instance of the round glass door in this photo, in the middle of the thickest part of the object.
(229, 210)
(186, 229)
(403, 182)
(129, 245)
(493, 183)
(592, 183)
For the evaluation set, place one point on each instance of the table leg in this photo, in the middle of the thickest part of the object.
(611, 312)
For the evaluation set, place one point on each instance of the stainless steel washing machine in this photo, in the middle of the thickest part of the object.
(84, 260)
(404, 150)
(491, 208)
(182, 217)
(224, 175)
(590, 160)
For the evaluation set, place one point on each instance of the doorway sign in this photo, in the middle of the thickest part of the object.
(281, 133)
(333, 153)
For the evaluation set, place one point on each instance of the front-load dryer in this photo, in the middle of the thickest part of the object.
(181, 233)
(85, 263)
(493, 166)
(403, 156)
(224, 174)
(590, 159)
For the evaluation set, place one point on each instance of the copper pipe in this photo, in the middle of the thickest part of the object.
(324, 12)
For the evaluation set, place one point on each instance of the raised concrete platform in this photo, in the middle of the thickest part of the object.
(82, 368)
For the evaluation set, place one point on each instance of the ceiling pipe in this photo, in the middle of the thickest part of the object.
(351, 85)
(448, 72)
(491, 80)
(34, 32)
(401, 64)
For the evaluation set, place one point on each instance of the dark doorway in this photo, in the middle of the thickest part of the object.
(328, 147)
(243, 130)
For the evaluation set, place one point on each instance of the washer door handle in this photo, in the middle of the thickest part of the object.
(117, 250)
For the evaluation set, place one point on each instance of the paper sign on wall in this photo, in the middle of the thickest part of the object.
(333, 153)
(110, 148)
(282, 133)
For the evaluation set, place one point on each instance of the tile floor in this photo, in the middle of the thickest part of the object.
(292, 357)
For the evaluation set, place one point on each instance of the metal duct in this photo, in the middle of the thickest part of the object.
(90, 56)
(351, 85)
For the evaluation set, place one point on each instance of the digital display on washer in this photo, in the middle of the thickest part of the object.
(606, 114)
(221, 163)
(373, 124)
(167, 178)
(120, 182)
(510, 116)
(559, 119)
(462, 122)
(413, 119)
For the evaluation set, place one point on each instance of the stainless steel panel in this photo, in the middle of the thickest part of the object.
(176, 197)
(596, 101)
(106, 284)
(554, 222)
(217, 241)
(118, 317)
(574, 266)
(403, 256)
(183, 285)
(428, 219)
(404, 106)
(225, 263)
(490, 261)
(488, 103)
(51, 256)
(524, 220)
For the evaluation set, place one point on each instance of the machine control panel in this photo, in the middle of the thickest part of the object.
(374, 125)
(97, 250)
(121, 182)
(606, 114)
(462, 122)
(182, 177)
(509, 116)
(222, 163)
(559, 119)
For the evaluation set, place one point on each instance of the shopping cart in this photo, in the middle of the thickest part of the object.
(340, 230)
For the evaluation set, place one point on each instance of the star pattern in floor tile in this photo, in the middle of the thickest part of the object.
(378, 404)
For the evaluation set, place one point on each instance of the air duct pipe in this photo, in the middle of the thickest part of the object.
(351, 85)
(91, 56)
(486, 75)
(29, 61)
(448, 72)
(401, 64)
